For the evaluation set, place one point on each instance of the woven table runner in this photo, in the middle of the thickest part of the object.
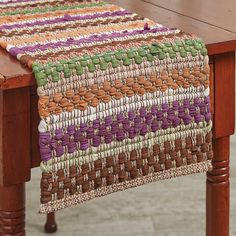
(123, 100)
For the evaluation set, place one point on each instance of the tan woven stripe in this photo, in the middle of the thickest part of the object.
(88, 10)
(63, 27)
(104, 92)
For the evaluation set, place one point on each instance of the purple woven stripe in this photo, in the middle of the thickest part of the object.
(124, 126)
(66, 17)
(95, 38)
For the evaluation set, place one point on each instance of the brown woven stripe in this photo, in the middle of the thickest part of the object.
(71, 200)
(126, 167)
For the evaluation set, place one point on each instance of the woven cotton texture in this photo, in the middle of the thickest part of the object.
(123, 100)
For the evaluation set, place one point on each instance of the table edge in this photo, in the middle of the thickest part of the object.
(27, 79)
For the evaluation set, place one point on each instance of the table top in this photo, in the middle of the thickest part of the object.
(214, 21)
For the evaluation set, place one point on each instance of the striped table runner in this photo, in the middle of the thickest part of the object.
(123, 100)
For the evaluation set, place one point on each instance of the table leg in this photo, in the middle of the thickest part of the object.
(217, 199)
(12, 210)
(51, 225)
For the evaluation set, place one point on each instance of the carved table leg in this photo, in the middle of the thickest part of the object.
(12, 210)
(217, 204)
(50, 226)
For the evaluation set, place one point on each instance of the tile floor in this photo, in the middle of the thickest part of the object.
(167, 208)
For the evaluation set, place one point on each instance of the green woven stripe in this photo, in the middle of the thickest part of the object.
(52, 9)
(117, 58)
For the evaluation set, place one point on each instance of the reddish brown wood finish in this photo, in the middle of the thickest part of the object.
(34, 121)
(222, 47)
(12, 73)
(217, 204)
(212, 87)
(14, 136)
(219, 14)
(14, 159)
(224, 85)
(12, 210)
(50, 226)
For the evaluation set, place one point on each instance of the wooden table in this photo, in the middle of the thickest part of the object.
(214, 21)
